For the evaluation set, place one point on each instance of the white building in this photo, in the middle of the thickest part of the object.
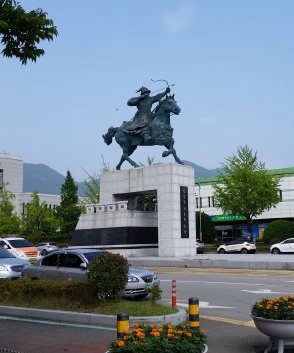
(232, 226)
(11, 172)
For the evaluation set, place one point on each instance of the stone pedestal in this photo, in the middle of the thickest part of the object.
(174, 184)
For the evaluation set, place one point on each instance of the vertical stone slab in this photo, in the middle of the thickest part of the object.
(175, 188)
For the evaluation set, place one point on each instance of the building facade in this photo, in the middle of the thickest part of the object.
(232, 226)
(11, 175)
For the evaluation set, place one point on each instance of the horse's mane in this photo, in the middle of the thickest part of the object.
(161, 102)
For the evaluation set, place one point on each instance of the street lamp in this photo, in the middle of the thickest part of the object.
(200, 225)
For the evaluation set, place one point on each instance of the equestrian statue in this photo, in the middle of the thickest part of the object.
(147, 128)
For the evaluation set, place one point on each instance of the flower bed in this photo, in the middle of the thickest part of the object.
(281, 308)
(158, 339)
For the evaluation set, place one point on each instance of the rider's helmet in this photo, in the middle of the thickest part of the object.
(143, 90)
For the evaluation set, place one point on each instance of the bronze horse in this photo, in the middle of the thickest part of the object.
(160, 131)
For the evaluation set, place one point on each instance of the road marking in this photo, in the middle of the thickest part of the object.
(204, 305)
(230, 283)
(229, 321)
(262, 291)
(56, 323)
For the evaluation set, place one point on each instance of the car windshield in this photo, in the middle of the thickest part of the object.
(20, 243)
(90, 256)
(4, 254)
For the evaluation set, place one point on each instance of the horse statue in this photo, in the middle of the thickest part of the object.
(160, 130)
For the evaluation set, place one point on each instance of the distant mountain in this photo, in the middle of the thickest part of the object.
(201, 172)
(45, 180)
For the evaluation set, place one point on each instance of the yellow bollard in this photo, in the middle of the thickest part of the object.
(194, 313)
(123, 324)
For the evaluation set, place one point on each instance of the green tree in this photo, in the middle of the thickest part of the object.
(21, 31)
(69, 209)
(92, 184)
(9, 221)
(278, 230)
(207, 228)
(245, 187)
(38, 219)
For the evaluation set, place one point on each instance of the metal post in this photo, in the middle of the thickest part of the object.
(194, 313)
(122, 324)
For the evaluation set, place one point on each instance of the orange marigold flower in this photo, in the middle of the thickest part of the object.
(170, 330)
(126, 337)
(188, 334)
(170, 335)
(156, 334)
(137, 324)
(121, 343)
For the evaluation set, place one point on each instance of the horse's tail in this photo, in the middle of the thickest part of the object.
(109, 135)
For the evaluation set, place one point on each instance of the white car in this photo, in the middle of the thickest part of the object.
(21, 248)
(10, 266)
(284, 246)
(238, 246)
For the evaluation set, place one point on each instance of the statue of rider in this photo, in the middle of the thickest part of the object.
(139, 123)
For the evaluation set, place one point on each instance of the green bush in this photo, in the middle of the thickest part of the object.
(58, 293)
(277, 231)
(107, 274)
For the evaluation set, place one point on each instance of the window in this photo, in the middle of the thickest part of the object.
(281, 195)
(73, 260)
(289, 241)
(50, 260)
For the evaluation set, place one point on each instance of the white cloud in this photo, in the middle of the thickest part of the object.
(179, 20)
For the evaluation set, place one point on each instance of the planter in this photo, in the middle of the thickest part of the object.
(280, 332)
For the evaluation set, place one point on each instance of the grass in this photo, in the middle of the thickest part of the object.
(73, 296)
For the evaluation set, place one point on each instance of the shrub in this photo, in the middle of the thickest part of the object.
(58, 292)
(278, 230)
(281, 308)
(107, 274)
(155, 293)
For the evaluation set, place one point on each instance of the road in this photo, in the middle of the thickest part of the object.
(226, 297)
(225, 293)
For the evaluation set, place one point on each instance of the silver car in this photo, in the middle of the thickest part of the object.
(71, 264)
(46, 247)
(10, 266)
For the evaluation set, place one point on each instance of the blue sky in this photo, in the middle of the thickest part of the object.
(231, 63)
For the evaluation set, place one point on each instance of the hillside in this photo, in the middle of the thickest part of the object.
(45, 180)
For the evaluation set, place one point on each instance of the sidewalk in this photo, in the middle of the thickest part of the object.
(232, 261)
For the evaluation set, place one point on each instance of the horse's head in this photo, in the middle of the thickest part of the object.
(169, 105)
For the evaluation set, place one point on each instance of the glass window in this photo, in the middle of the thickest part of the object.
(20, 243)
(73, 260)
(50, 260)
(1, 179)
(289, 241)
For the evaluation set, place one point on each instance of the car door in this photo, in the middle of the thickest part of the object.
(287, 246)
(48, 267)
(231, 246)
(70, 268)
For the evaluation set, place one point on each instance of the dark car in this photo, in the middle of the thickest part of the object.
(200, 246)
(65, 264)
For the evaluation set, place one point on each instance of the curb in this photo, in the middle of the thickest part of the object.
(87, 318)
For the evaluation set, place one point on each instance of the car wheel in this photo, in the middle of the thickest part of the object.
(44, 252)
(244, 251)
(276, 251)
(221, 251)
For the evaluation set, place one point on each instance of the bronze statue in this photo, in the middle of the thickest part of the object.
(146, 128)
(139, 124)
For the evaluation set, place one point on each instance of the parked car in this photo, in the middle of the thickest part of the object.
(284, 246)
(200, 246)
(65, 264)
(10, 266)
(21, 248)
(46, 247)
(237, 246)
